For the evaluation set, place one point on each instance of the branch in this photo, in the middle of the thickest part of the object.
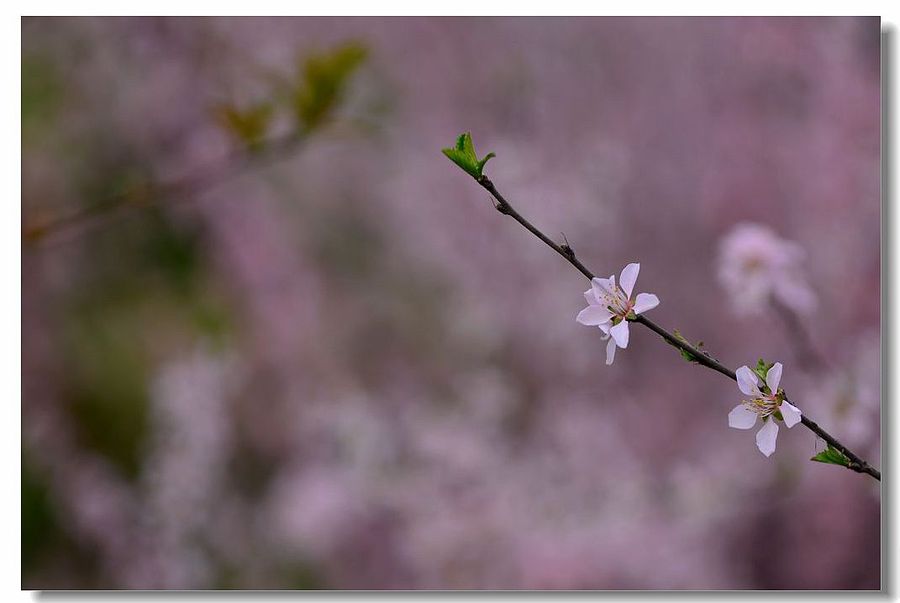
(855, 463)
(314, 94)
(237, 162)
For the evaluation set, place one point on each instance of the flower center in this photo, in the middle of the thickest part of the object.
(764, 406)
(617, 303)
(753, 263)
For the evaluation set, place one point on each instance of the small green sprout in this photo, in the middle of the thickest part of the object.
(832, 456)
(464, 156)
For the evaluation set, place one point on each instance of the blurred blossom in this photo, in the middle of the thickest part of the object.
(757, 267)
(312, 511)
(850, 396)
(184, 474)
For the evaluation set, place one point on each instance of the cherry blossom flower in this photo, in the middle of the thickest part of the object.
(756, 267)
(766, 402)
(610, 307)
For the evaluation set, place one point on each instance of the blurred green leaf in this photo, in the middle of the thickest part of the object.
(250, 125)
(321, 83)
(463, 155)
(39, 523)
(45, 539)
(109, 398)
(41, 93)
(144, 291)
(832, 456)
(174, 253)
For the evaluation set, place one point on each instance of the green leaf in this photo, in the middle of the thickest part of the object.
(464, 143)
(463, 155)
(483, 161)
(460, 159)
(250, 125)
(762, 368)
(43, 93)
(832, 456)
(321, 83)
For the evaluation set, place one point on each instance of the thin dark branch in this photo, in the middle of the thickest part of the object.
(856, 463)
(505, 208)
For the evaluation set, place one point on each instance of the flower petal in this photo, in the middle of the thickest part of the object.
(629, 278)
(741, 417)
(591, 298)
(747, 381)
(790, 414)
(765, 437)
(620, 334)
(644, 302)
(593, 316)
(603, 286)
(610, 351)
(773, 377)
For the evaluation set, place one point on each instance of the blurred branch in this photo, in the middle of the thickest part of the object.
(806, 352)
(315, 92)
(502, 205)
(238, 162)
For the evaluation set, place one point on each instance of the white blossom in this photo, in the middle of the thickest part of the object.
(610, 306)
(766, 402)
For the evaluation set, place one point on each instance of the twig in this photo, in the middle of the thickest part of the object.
(856, 463)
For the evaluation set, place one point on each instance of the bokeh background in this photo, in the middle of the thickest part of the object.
(273, 338)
